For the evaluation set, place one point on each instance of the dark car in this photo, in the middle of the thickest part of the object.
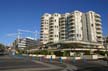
(1, 52)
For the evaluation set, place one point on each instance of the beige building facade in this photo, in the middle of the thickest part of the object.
(74, 26)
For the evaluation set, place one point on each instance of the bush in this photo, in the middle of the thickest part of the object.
(58, 53)
(66, 53)
(43, 52)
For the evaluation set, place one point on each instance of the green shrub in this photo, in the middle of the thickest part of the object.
(58, 53)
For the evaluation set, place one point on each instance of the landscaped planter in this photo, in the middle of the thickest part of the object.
(64, 58)
(33, 55)
(77, 58)
(40, 55)
(94, 56)
(49, 56)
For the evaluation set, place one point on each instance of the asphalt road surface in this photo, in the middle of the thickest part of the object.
(10, 63)
(91, 66)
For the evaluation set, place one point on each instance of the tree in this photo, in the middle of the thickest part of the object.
(2, 46)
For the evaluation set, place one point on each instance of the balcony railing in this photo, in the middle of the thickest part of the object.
(98, 27)
(98, 31)
(97, 15)
(97, 19)
(98, 23)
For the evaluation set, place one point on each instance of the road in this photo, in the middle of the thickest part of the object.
(15, 63)
(10, 63)
(91, 65)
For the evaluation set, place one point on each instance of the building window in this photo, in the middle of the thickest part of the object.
(56, 35)
(92, 25)
(77, 35)
(55, 20)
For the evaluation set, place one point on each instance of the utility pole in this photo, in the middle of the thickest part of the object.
(18, 37)
(12, 35)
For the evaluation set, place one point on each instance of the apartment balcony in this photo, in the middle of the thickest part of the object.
(62, 23)
(62, 33)
(71, 33)
(97, 15)
(51, 35)
(62, 27)
(51, 38)
(41, 36)
(72, 37)
(98, 31)
(51, 26)
(98, 23)
(71, 19)
(97, 19)
(72, 15)
(72, 26)
(52, 18)
(42, 23)
(42, 20)
(62, 38)
(99, 39)
(99, 35)
(62, 19)
(42, 28)
(51, 23)
(42, 31)
(42, 17)
(98, 27)
(51, 31)
(72, 30)
(71, 22)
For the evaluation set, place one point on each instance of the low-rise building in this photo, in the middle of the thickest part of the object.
(25, 43)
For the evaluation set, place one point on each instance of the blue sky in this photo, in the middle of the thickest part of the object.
(25, 14)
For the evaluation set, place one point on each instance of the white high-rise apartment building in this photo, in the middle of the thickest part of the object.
(94, 27)
(54, 28)
(45, 21)
(63, 26)
(75, 26)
